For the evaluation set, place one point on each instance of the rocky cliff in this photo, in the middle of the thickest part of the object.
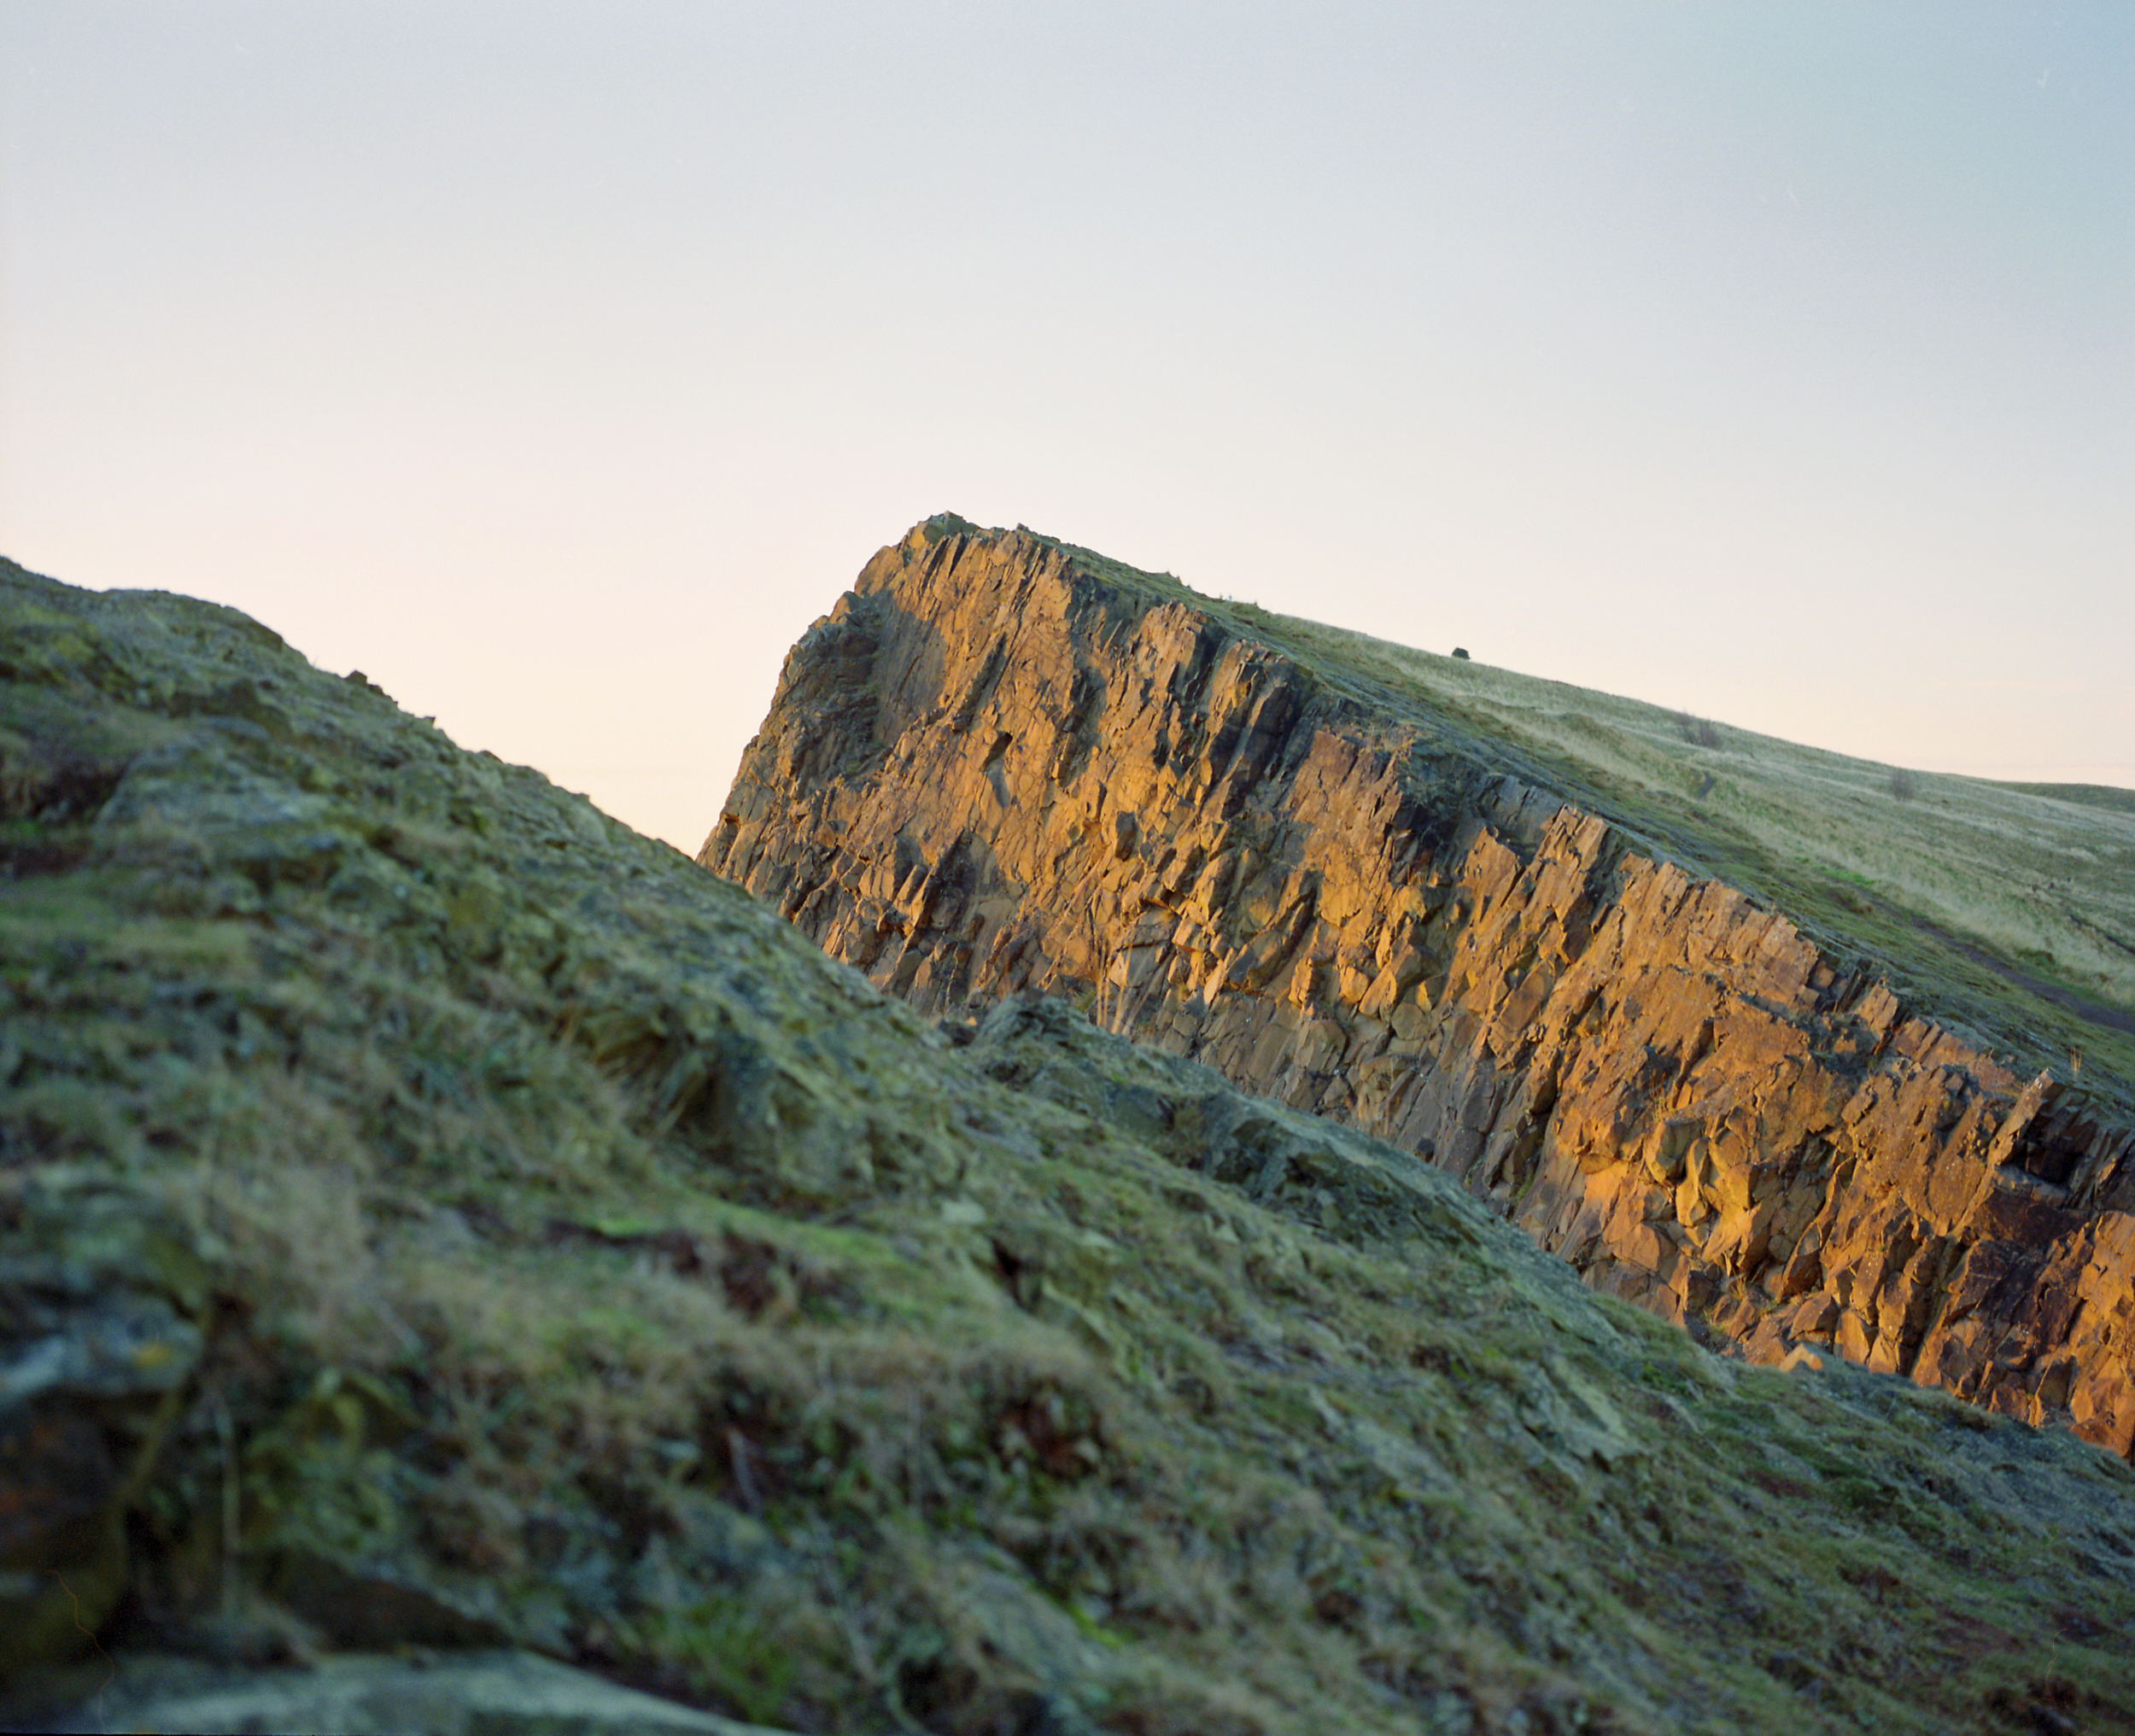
(1002, 763)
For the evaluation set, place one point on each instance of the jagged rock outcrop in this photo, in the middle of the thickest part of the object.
(1002, 763)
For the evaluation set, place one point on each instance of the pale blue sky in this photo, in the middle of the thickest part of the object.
(556, 363)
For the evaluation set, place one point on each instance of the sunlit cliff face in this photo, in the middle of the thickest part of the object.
(1004, 764)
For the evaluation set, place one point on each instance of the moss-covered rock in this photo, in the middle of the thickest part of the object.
(465, 1695)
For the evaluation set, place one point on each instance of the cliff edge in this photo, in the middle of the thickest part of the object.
(1004, 764)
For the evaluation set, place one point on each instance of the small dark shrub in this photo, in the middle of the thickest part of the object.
(1461, 652)
(1902, 785)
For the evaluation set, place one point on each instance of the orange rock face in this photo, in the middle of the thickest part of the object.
(991, 769)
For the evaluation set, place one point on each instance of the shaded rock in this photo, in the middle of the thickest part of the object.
(466, 1694)
(101, 1296)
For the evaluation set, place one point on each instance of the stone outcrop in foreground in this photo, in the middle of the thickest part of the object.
(1001, 763)
(466, 1694)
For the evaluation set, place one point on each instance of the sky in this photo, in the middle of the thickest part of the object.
(557, 362)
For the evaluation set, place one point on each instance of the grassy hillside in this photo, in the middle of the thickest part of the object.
(432, 1215)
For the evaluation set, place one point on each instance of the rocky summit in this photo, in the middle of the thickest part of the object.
(464, 1266)
(1002, 763)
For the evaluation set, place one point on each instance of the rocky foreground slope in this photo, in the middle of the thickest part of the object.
(448, 1242)
(1002, 763)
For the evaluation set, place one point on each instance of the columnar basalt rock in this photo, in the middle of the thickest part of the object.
(1002, 764)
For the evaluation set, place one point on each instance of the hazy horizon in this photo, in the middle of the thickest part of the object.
(558, 364)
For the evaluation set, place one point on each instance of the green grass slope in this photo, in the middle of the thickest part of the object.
(432, 1215)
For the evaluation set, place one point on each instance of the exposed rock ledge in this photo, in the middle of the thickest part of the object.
(1002, 764)
(448, 1694)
